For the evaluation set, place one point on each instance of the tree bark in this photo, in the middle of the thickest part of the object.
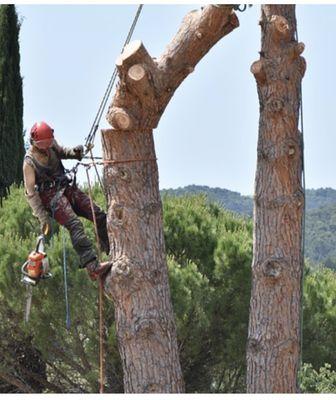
(273, 349)
(138, 280)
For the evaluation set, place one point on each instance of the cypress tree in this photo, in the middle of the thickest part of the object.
(11, 101)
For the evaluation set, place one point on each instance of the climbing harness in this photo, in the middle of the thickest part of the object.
(33, 270)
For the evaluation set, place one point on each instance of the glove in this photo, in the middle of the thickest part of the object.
(79, 152)
(46, 227)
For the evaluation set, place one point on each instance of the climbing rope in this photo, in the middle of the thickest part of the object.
(101, 289)
(91, 136)
(303, 231)
(67, 310)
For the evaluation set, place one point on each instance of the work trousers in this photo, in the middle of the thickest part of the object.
(66, 207)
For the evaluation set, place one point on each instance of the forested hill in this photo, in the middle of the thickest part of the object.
(232, 201)
(320, 218)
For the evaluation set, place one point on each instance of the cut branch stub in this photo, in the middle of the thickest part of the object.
(279, 28)
(258, 71)
(136, 91)
(140, 83)
(119, 118)
(137, 72)
(134, 53)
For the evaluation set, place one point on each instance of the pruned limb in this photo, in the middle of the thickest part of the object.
(199, 32)
(146, 86)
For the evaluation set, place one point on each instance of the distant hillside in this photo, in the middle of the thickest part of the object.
(320, 216)
(316, 198)
(321, 235)
(233, 201)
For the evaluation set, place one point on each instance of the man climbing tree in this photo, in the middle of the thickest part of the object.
(138, 280)
(49, 193)
(273, 351)
(11, 102)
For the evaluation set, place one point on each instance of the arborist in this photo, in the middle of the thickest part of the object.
(51, 193)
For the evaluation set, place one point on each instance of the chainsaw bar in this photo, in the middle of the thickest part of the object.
(29, 297)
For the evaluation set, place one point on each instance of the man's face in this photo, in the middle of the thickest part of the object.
(43, 144)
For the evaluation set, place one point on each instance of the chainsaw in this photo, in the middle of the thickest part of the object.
(33, 270)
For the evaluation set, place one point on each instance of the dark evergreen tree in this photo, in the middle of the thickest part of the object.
(11, 101)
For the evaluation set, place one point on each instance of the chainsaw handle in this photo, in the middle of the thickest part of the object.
(40, 240)
(23, 268)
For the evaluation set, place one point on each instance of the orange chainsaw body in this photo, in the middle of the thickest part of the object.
(34, 267)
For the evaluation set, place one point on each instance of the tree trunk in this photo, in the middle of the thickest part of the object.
(273, 349)
(138, 281)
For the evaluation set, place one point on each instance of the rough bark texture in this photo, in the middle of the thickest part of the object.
(138, 281)
(274, 328)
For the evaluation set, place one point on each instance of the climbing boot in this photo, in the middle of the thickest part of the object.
(96, 269)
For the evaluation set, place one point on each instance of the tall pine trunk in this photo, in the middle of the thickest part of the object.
(273, 350)
(138, 281)
(11, 101)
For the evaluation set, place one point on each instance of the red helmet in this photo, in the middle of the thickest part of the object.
(42, 135)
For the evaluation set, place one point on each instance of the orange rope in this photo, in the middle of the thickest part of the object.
(105, 162)
(101, 288)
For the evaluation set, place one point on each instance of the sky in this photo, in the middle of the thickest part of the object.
(208, 133)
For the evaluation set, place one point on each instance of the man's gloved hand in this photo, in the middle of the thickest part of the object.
(45, 227)
(79, 152)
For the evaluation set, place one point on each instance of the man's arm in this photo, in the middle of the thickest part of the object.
(67, 153)
(34, 199)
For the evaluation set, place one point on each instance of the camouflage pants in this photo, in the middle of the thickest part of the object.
(66, 208)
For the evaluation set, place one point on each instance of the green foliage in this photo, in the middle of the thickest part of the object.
(71, 357)
(319, 318)
(321, 381)
(11, 101)
(210, 253)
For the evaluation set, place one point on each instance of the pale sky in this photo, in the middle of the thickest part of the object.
(208, 133)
